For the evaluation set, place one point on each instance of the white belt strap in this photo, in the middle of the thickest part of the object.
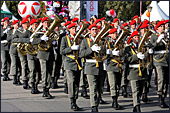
(91, 60)
(4, 41)
(134, 65)
(162, 51)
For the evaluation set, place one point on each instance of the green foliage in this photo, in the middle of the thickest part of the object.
(125, 10)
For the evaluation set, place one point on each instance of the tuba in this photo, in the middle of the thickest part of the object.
(144, 48)
(119, 44)
(45, 45)
(76, 40)
(102, 42)
(30, 48)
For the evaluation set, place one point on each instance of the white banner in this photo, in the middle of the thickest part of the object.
(74, 8)
(92, 9)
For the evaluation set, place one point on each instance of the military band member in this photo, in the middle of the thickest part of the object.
(132, 26)
(23, 58)
(93, 69)
(5, 58)
(46, 58)
(71, 65)
(113, 69)
(116, 25)
(15, 65)
(161, 62)
(137, 74)
(145, 99)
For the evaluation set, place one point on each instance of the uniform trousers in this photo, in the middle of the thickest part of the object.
(46, 72)
(73, 80)
(162, 80)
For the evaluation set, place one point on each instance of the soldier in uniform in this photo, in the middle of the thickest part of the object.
(145, 99)
(46, 58)
(137, 74)
(93, 69)
(113, 69)
(132, 26)
(33, 62)
(116, 25)
(15, 65)
(5, 58)
(161, 61)
(23, 58)
(71, 65)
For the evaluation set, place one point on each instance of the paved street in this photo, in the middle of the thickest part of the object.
(16, 99)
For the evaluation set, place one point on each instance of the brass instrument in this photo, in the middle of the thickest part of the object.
(45, 45)
(30, 48)
(145, 50)
(119, 45)
(76, 40)
(102, 42)
(21, 46)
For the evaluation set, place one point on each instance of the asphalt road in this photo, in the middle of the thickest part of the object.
(16, 99)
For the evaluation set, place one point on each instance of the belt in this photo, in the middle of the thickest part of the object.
(92, 60)
(162, 51)
(134, 65)
(4, 41)
(14, 44)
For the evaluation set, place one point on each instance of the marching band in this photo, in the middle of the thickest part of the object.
(88, 53)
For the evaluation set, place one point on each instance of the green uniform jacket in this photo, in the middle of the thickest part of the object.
(112, 66)
(4, 46)
(25, 38)
(69, 64)
(130, 59)
(86, 52)
(46, 55)
(158, 47)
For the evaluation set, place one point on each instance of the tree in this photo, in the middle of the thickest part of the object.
(125, 10)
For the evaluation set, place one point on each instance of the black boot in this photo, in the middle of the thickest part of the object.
(136, 108)
(66, 88)
(74, 107)
(44, 92)
(102, 101)
(33, 88)
(6, 78)
(115, 104)
(15, 80)
(124, 92)
(48, 95)
(94, 109)
(162, 102)
(18, 80)
(145, 98)
(36, 89)
(84, 93)
(25, 85)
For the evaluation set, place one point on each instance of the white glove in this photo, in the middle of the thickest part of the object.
(116, 53)
(140, 56)
(96, 48)
(45, 38)
(108, 51)
(150, 51)
(54, 42)
(75, 47)
(31, 39)
(160, 38)
(5, 31)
